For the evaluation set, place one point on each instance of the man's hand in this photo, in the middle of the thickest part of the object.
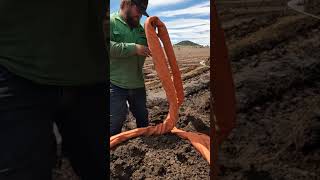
(142, 50)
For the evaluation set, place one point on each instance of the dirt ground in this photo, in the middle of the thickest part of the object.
(276, 63)
(168, 156)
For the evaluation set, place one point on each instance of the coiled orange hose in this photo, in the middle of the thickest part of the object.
(172, 85)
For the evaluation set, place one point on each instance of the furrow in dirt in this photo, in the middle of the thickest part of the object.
(277, 73)
(268, 38)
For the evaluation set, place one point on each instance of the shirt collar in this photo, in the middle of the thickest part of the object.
(118, 17)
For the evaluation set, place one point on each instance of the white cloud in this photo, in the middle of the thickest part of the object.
(183, 22)
(196, 30)
(157, 3)
(202, 9)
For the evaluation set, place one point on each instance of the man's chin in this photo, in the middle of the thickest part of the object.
(134, 24)
(136, 21)
(137, 24)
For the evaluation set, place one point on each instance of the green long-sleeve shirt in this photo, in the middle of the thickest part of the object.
(125, 67)
(57, 42)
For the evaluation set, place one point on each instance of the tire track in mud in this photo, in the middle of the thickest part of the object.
(277, 34)
(228, 10)
(196, 101)
(294, 4)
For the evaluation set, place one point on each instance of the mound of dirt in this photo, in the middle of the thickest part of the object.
(187, 43)
(165, 156)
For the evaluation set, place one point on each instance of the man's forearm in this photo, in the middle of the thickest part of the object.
(122, 50)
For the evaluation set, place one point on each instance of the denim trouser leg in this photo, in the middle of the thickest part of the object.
(137, 105)
(26, 111)
(118, 108)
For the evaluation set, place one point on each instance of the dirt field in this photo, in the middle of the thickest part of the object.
(169, 156)
(276, 63)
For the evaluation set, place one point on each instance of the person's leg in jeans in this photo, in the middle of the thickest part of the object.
(118, 108)
(82, 123)
(137, 103)
(26, 111)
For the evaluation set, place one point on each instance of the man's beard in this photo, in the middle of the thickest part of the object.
(131, 21)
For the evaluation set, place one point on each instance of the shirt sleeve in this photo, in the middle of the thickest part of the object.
(122, 50)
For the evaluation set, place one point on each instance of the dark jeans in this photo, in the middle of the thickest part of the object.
(27, 113)
(136, 99)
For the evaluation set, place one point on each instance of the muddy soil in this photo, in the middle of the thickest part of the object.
(276, 64)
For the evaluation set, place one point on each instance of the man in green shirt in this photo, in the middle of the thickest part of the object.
(128, 51)
(52, 68)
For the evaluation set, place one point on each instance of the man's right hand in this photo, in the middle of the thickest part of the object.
(142, 50)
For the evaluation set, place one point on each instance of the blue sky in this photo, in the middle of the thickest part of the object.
(185, 19)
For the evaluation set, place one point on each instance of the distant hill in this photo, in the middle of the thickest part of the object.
(187, 43)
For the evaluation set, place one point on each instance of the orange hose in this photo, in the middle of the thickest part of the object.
(223, 91)
(173, 89)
